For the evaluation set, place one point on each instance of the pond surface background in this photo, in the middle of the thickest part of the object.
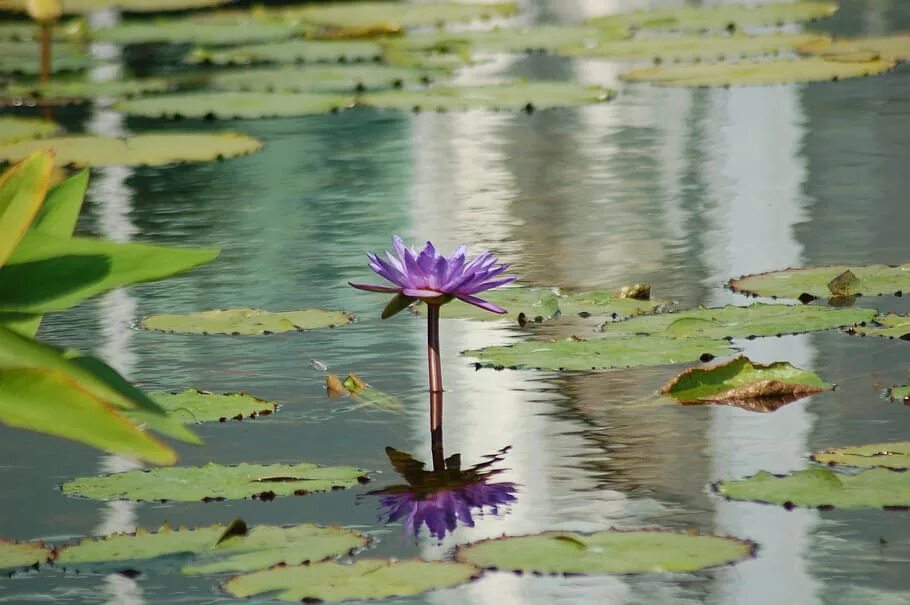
(679, 188)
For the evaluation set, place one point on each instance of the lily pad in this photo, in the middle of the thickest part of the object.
(717, 17)
(900, 393)
(599, 354)
(820, 487)
(23, 58)
(131, 6)
(290, 51)
(138, 150)
(889, 455)
(745, 384)
(83, 89)
(363, 579)
(886, 326)
(524, 305)
(890, 48)
(399, 14)
(22, 554)
(246, 322)
(813, 282)
(503, 39)
(216, 482)
(193, 405)
(231, 105)
(322, 78)
(520, 95)
(198, 31)
(758, 73)
(758, 319)
(606, 552)
(13, 129)
(607, 303)
(216, 548)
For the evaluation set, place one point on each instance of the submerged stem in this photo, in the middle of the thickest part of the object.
(45, 51)
(436, 431)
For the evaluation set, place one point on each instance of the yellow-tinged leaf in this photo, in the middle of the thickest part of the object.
(22, 190)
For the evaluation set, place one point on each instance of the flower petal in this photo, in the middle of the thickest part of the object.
(421, 293)
(374, 288)
(477, 302)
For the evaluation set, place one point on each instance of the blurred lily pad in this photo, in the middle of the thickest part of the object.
(215, 548)
(758, 73)
(83, 89)
(246, 322)
(688, 48)
(216, 482)
(13, 129)
(745, 384)
(519, 95)
(820, 487)
(758, 319)
(192, 30)
(890, 48)
(322, 78)
(599, 354)
(715, 17)
(230, 105)
(523, 305)
(137, 6)
(607, 303)
(899, 393)
(813, 281)
(889, 455)
(290, 51)
(504, 39)
(22, 554)
(886, 326)
(606, 552)
(192, 405)
(363, 579)
(398, 14)
(23, 58)
(137, 150)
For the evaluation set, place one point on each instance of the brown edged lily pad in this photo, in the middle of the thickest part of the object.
(22, 554)
(894, 455)
(885, 326)
(815, 282)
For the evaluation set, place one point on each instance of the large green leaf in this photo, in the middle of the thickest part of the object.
(51, 274)
(820, 487)
(759, 73)
(246, 322)
(80, 90)
(398, 14)
(518, 95)
(138, 6)
(13, 129)
(22, 191)
(138, 150)
(216, 548)
(24, 58)
(192, 405)
(689, 48)
(290, 51)
(886, 326)
(894, 455)
(758, 319)
(216, 482)
(22, 554)
(813, 281)
(60, 211)
(231, 105)
(892, 48)
(363, 579)
(321, 78)
(606, 552)
(198, 31)
(598, 354)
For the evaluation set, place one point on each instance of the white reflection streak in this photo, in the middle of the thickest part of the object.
(117, 308)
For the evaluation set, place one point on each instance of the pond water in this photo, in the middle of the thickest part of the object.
(679, 188)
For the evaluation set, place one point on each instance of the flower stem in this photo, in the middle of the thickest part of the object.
(436, 431)
(433, 363)
(45, 51)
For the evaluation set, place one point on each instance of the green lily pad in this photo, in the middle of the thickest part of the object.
(890, 48)
(599, 354)
(231, 105)
(131, 6)
(363, 579)
(606, 552)
(216, 548)
(192, 405)
(519, 95)
(290, 51)
(194, 30)
(504, 39)
(745, 384)
(689, 48)
(889, 455)
(820, 487)
(886, 326)
(899, 393)
(607, 303)
(82, 89)
(322, 78)
(523, 305)
(24, 58)
(398, 14)
(246, 322)
(813, 282)
(138, 150)
(13, 129)
(717, 17)
(22, 554)
(758, 319)
(216, 482)
(758, 73)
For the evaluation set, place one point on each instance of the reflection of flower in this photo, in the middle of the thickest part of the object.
(443, 499)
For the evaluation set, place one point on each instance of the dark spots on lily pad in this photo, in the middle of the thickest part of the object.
(130, 573)
(266, 496)
(789, 505)
(706, 357)
(806, 298)
(825, 507)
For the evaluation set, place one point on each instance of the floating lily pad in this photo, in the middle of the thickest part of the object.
(22, 554)
(132, 6)
(523, 305)
(607, 303)
(745, 384)
(758, 73)
(505, 40)
(82, 89)
(398, 14)
(599, 354)
(322, 78)
(363, 579)
(718, 16)
(24, 58)
(216, 482)
(246, 322)
(290, 51)
(739, 322)
(899, 393)
(813, 281)
(688, 48)
(198, 31)
(138, 150)
(13, 129)
(230, 105)
(521, 95)
(820, 487)
(886, 326)
(606, 552)
(889, 455)
(890, 48)
(216, 548)
(192, 405)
